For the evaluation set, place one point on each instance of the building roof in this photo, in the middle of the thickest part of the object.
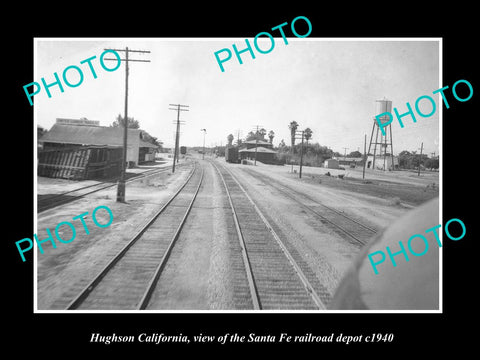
(91, 135)
(260, 149)
(144, 143)
(260, 142)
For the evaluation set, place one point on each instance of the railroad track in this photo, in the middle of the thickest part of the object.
(275, 278)
(75, 194)
(129, 279)
(339, 221)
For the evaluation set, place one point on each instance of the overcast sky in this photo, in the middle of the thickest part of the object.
(329, 85)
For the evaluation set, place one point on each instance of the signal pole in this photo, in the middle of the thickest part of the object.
(177, 109)
(121, 181)
(203, 151)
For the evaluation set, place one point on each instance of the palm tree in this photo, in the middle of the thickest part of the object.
(261, 134)
(307, 134)
(250, 136)
(293, 128)
(271, 135)
(230, 139)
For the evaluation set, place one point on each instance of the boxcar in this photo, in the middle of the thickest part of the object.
(231, 154)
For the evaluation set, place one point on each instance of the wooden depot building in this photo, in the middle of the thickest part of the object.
(82, 149)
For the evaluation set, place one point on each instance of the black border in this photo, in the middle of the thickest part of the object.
(48, 332)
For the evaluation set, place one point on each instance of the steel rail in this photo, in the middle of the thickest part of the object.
(76, 302)
(308, 287)
(46, 204)
(288, 192)
(151, 286)
(250, 277)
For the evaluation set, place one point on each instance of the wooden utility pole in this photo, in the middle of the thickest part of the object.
(301, 135)
(121, 181)
(364, 156)
(177, 134)
(256, 146)
(256, 143)
(420, 159)
(238, 137)
(301, 156)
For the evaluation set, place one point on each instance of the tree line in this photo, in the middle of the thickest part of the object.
(135, 124)
(412, 160)
(315, 154)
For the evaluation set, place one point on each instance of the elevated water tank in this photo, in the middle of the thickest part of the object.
(382, 106)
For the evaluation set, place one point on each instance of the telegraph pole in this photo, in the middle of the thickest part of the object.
(300, 134)
(256, 143)
(301, 155)
(420, 159)
(177, 109)
(256, 146)
(365, 156)
(121, 181)
(238, 137)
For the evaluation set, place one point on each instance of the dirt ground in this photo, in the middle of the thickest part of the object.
(61, 271)
(379, 202)
(399, 187)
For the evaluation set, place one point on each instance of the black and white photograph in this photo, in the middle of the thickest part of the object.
(248, 189)
(294, 179)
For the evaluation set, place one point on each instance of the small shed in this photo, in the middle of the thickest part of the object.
(331, 163)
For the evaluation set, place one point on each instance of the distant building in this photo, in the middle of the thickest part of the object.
(263, 155)
(350, 161)
(69, 133)
(263, 149)
(331, 163)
